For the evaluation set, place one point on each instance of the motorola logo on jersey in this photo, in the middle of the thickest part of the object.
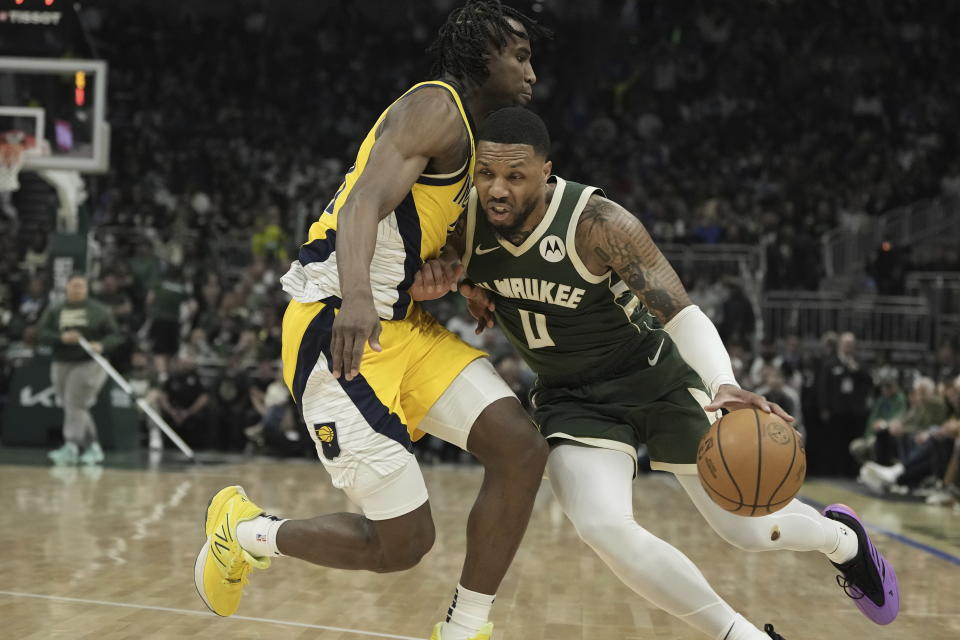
(552, 249)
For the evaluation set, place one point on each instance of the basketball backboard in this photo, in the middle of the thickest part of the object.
(62, 102)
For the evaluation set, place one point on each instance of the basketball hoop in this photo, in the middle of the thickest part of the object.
(14, 146)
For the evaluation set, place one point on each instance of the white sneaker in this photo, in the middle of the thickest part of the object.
(93, 455)
(940, 498)
(870, 477)
(889, 474)
(68, 454)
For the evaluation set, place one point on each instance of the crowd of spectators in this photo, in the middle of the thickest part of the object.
(715, 122)
(856, 419)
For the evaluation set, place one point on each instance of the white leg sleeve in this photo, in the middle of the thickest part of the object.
(595, 489)
(796, 527)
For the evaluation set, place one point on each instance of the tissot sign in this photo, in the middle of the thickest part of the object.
(31, 17)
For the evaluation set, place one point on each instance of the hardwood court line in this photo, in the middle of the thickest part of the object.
(192, 612)
(899, 537)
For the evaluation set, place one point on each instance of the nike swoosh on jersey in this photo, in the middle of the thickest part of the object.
(656, 357)
(480, 251)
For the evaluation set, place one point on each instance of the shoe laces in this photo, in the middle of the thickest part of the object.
(850, 588)
(238, 571)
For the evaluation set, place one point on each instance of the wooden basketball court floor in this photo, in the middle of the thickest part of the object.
(109, 553)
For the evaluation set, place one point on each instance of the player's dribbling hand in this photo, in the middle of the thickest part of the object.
(435, 279)
(480, 305)
(731, 398)
(355, 325)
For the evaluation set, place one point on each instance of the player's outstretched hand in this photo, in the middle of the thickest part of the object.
(731, 398)
(355, 325)
(480, 305)
(435, 279)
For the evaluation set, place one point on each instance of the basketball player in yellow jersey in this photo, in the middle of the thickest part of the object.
(368, 367)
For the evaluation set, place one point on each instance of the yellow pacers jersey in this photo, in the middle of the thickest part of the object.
(415, 231)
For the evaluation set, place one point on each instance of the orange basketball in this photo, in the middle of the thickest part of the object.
(751, 463)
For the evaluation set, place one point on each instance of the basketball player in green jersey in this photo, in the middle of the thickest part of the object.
(623, 358)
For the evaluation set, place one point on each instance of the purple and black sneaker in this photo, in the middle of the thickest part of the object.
(868, 579)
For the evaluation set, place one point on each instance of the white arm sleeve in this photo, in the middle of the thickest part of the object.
(700, 345)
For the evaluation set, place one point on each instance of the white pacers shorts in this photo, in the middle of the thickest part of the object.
(391, 484)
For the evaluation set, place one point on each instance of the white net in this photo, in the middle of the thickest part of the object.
(13, 152)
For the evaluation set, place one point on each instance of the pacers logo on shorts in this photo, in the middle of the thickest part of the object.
(327, 435)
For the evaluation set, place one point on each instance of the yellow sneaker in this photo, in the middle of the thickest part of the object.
(485, 632)
(223, 567)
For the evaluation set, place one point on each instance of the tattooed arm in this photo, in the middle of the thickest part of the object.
(610, 237)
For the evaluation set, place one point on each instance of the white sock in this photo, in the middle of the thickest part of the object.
(847, 545)
(468, 612)
(259, 536)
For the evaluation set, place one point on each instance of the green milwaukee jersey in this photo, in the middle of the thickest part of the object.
(561, 318)
(92, 319)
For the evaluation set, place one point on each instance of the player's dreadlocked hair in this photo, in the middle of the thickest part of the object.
(461, 45)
